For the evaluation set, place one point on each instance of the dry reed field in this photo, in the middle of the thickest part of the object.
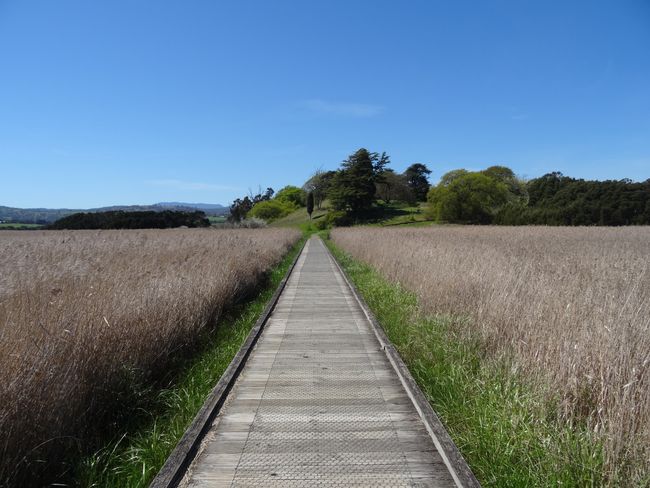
(569, 308)
(85, 313)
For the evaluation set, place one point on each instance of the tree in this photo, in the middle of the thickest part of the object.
(291, 194)
(310, 203)
(450, 176)
(353, 187)
(271, 210)
(417, 178)
(241, 206)
(319, 183)
(468, 198)
(395, 186)
(505, 175)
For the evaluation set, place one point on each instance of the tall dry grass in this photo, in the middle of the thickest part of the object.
(88, 316)
(568, 307)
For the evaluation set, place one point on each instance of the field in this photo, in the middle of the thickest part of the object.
(19, 226)
(217, 219)
(567, 309)
(90, 319)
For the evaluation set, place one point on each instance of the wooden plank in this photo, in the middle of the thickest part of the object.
(176, 465)
(319, 402)
(453, 458)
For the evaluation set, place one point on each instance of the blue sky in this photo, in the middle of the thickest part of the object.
(126, 102)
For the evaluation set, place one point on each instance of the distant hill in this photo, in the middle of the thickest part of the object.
(49, 215)
(208, 208)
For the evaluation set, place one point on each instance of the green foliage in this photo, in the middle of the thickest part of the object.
(271, 210)
(241, 206)
(120, 219)
(334, 218)
(416, 178)
(310, 203)
(448, 178)
(321, 224)
(395, 186)
(319, 184)
(467, 197)
(505, 428)
(516, 187)
(555, 199)
(291, 194)
(353, 187)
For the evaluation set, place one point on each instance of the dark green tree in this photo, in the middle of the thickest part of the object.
(417, 178)
(241, 206)
(353, 187)
(310, 203)
(395, 186)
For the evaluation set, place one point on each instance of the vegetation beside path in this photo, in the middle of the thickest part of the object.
(505, 429)
(138, 453)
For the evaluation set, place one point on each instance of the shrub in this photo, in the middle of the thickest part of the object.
(271, 210)
(292, 194)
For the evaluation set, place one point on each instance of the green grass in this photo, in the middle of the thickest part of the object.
(300, 220)
(380, 215)
(398, 213)
(217, 219)
(507, 432)
(19, 226)
(140, 450)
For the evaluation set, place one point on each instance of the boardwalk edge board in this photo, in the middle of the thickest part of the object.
(172, 472)
(458, 467)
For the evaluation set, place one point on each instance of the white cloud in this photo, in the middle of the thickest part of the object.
(189, 185)
(344, 109)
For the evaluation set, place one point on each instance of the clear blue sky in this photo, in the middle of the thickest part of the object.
(125, 102)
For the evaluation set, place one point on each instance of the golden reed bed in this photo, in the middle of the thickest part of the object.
(570, 305)
(83, 313)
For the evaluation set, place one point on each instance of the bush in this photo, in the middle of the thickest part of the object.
(292, 194)
(468, 198)
(271, 210)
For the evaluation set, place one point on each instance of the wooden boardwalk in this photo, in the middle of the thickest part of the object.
(318, 402)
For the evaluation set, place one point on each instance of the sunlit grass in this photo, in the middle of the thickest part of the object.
(138, 454)
(507, 431)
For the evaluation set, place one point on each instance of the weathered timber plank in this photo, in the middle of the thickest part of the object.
(319, 401)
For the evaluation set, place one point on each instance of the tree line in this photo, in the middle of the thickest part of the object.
(351, 191)
(364, 183)
(119, 219)
(496, 196)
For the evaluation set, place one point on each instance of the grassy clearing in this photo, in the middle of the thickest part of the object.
(399, 214)
(141, 450)
(381, 215)
(217, 219)
(300, 219)
(19, 226)
(508, 432)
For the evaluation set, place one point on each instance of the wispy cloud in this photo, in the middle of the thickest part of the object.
(189, 185)
(342, 108)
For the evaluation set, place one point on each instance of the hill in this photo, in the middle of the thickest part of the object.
(45, 216)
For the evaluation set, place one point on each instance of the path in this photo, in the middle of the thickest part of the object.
(318, 403)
